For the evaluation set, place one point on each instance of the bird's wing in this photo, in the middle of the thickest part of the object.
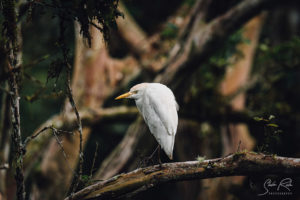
(159, 110)
(157, 128)
(165, 106)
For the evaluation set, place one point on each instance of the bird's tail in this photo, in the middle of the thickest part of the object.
(169, 147)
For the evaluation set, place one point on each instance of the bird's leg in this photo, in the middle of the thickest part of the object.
(146, 160)
(159, 160)
(157, 148)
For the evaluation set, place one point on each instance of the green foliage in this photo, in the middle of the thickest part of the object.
(99, 13)
(271, 133)
(277, 70)
(285, 55)
(103, 11)
(51, 23)
(170, 31)
(85, 179)
(222, 57)
(206, 81)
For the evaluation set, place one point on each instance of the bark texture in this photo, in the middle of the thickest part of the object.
(238, 164)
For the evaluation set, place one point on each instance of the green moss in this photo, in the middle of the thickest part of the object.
(239, 155)
(200, 159)
(274, 156)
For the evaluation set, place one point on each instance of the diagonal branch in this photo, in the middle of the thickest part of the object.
(238, 164)
(205, 40)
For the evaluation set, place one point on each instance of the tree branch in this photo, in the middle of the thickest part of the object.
(136, 37)
(12, 58)
(67, 121)
(118, 158)
(238, 164)
(205, 40)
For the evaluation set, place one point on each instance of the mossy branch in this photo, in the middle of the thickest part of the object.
(238, 164)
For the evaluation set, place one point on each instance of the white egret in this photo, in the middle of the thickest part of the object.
(157, 104)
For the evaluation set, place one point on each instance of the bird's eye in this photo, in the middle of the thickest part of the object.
(135, 92)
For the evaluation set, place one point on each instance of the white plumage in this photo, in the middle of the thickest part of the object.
(157, 104)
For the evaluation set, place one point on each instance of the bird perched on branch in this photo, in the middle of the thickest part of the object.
(157, 104)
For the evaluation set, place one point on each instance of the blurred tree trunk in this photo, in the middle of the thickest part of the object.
(235, 137)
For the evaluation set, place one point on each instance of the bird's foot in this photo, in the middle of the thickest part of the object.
(150, 159)
(160, 166)
(146, 162)
(159, 160)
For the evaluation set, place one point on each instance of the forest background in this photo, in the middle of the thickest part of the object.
(233, 66)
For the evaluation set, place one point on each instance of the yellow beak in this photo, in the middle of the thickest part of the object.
(123, 96)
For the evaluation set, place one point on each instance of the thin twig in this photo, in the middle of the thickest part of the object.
(33, 79)
(64, 50)
(55, 133)
(72, 102)
(96, 26)
(94, 159)
(29, 138)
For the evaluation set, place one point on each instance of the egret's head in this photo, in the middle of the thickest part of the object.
(135, 92)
